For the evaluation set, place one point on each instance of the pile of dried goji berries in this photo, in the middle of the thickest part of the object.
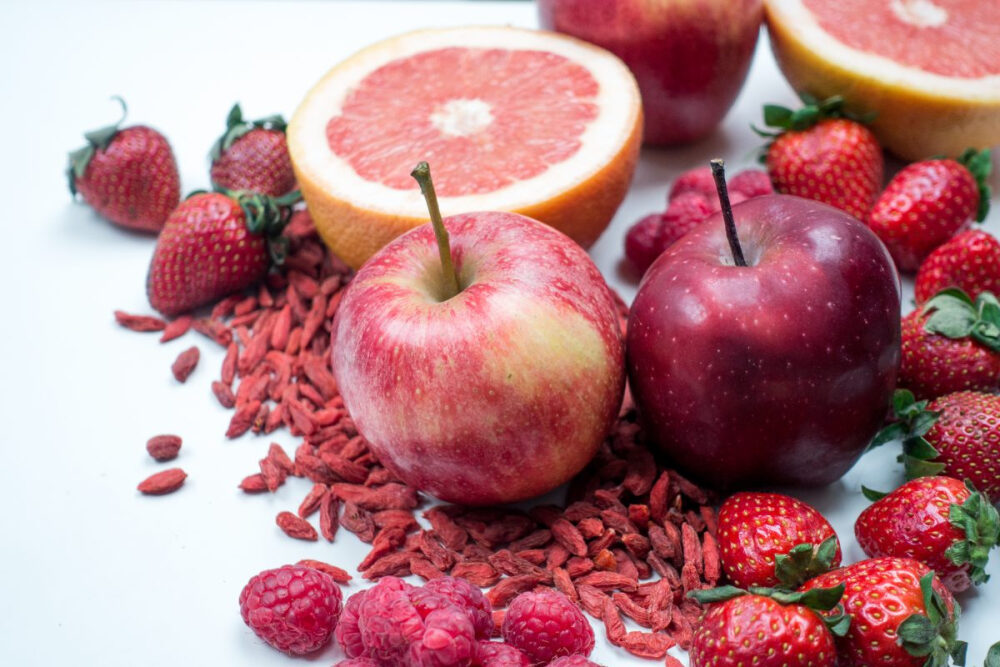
(627, 519)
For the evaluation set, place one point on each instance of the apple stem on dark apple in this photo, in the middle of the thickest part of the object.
(422, 174)
(719, 173)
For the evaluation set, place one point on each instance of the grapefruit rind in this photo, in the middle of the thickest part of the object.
(919, 113)
(578, 196)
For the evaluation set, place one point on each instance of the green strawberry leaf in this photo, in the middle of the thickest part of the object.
(812, 111)
(894, 431)
(839, 622)
(236, 127)
(804, 562)
(993, 656)
(917, 633)
(96, 140)
(979, 165)
(932, 635)
(719, 594)
(918, 448)
(817, 599)
(979, 520)
(915, 467)
(872, 495)
(954, 315)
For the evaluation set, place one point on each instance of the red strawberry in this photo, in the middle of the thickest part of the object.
(769, 539)
(823, 154)
(253, 156)
(969, 261)
(951, 344)
(758, 629)
(128, 175)
(928, 202)
(212, 245)
(945, 524)
(956, 434)
(901, 615)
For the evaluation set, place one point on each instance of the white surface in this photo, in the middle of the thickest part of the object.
(91, 573)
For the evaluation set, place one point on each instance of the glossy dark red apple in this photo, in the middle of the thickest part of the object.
(777, 372)
(690, 57)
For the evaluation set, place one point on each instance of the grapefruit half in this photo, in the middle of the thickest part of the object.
(929, 68)
(509, 119)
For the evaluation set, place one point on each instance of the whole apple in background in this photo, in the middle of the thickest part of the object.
(779, 371)
(690, 57)
(489, 380)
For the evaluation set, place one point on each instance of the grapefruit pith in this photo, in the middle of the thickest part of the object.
(930, 69)
(509, 119)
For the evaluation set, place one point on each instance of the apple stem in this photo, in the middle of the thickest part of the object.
(422, 174)
(719, 173)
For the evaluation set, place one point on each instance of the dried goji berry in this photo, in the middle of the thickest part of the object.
(160, 483)
(296, 527)
(163, 447)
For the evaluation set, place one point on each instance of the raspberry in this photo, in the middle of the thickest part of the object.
(359, 662)
(448, 640)
(292, 608)
(545, 625)
(642, 241)
(467, 597)
(751, 183)
(685, 212)
(698, 181)
(389, 623)
(573, 661)
(495, 654)
(348, 633)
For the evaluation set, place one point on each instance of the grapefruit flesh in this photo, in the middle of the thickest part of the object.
(930, 69)
(508, 119)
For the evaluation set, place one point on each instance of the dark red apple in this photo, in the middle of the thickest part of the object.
(489, 375)
(690, 57)
(779, 371)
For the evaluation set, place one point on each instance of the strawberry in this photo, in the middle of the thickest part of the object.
(253, 156)
(901, 615)
(945, 524)
(928, 202)
(951, 344)
(820, 152)
(212, 245)
(969, 261)
(768, 628)
(769, 539)
(956, 434)
(128, 175)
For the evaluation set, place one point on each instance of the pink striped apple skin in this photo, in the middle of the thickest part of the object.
(500, 393)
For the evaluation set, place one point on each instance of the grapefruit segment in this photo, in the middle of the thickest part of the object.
(930, 69)
(509, 119)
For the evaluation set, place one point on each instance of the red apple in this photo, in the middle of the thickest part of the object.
(497, 391)
(776, 372)
(690, 57)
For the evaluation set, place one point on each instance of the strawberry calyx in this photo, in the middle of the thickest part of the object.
(237, 126)
(979, 165)
(914, 420)
(954, 315)
(804, 562)
(993, 656)
(933, 635)
(980, 522)
(96, 140)
(265, 216)
(813, 110)
(821, 600)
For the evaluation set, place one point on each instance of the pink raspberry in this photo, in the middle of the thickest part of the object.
(573, 661)
(642, 241)
(348, 634)
(699, 181)
(292, 608)
(467, 597)
(545, 625)
(751, 183)
(359, 662)
(389, 623)
(495, 654)
(448, 640)
(685, 212)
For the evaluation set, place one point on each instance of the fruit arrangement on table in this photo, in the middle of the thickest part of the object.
(480, 359)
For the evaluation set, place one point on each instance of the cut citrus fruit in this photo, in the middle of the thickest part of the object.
(509, 119)
(930, 69)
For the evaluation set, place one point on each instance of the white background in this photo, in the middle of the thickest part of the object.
(91, 573)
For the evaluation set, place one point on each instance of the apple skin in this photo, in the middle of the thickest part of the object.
(780, 372)
(690, 57)
(499, 394)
